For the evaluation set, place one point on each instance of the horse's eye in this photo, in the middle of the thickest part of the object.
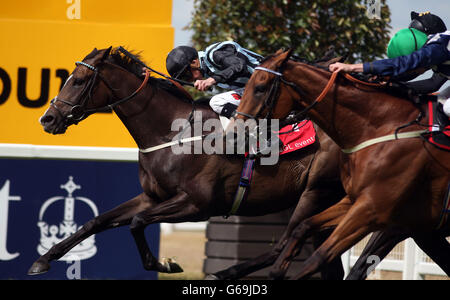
(78, 81)
(260, 89)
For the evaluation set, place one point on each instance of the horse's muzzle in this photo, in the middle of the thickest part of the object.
(52, 123)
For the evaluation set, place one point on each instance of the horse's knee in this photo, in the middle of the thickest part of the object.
(91, 225)
(301, 230)
(137, 223)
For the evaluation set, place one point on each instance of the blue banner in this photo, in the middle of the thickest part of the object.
(44, 201)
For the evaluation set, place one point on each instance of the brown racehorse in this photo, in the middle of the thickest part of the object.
(185, 187)
(399, 183)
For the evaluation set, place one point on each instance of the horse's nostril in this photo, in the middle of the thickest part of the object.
(47, 119)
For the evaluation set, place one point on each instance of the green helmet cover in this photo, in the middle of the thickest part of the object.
(405, 42)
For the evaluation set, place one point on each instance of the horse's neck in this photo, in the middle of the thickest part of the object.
(347, 114)
(149, 116)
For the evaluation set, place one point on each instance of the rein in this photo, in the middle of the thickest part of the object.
(279, 77)
(176, 81)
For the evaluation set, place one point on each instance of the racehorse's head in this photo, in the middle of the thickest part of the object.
(84, 90)
(263, 97)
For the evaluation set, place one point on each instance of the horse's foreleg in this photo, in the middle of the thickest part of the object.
(437, 248)
(119, 216)
(240, 270)
(175, 210)
(326, 219)
(380, 244)
(307, 206)
(334, 270)
(359, 221)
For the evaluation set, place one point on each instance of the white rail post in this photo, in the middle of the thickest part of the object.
(419, 261)
(409, 260)
(345, 257)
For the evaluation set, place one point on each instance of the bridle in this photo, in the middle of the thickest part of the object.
(271, 98)
(79, 111)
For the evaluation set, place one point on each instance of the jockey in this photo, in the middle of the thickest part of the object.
(224, 64)
(429, 24)
(411, 49)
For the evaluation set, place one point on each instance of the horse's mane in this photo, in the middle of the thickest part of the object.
(297, 58)
(399, 90)
(118, 58)
(322, 64)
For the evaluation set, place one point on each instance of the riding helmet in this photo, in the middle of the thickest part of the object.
(179, 59)
(405, 42)
(427, 22)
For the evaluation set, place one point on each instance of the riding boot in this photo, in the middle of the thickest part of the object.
(228, 110)
(226, 113)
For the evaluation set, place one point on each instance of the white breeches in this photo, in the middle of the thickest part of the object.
(218, 101)
(444, 98)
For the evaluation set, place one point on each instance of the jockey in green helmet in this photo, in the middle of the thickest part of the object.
(411, 49)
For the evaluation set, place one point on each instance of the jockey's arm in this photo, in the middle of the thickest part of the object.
(348, 68)
(232, 65)
(426, 57)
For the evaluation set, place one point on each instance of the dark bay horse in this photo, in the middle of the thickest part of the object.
(395, 184)
(185, 187)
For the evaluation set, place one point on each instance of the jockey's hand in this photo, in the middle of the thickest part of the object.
(203, 85)
(348, 68)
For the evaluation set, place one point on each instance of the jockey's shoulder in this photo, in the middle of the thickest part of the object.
(442, 37)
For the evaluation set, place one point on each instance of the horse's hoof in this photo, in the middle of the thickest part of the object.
(39, 267)
(170, 266)
(277, 274)
(211, 277)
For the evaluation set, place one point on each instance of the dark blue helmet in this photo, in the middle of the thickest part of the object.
(179, 60)
(427, 23)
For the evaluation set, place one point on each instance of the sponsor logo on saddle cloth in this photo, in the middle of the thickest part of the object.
(297, 136)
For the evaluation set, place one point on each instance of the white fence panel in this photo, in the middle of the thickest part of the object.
(406, 257)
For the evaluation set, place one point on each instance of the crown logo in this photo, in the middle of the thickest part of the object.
(53, 234)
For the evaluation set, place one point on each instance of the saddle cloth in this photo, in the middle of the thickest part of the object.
(297, 136)
(439, 126)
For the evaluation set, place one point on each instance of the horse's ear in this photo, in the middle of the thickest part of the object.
(283, 56)
(289, 53)
(279, 51)
(106, 53)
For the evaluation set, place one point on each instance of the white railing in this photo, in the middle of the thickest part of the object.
(168, 228)
(68, 152)
(406, 257)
